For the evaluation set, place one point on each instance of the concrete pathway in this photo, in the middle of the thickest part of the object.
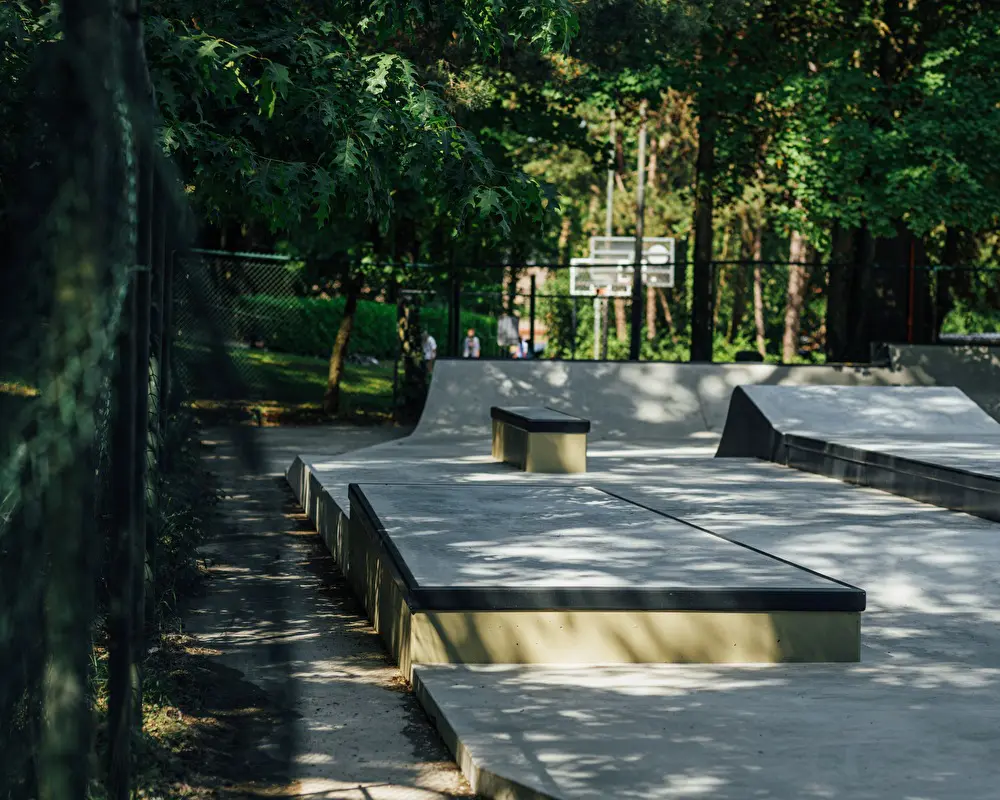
(278, 611)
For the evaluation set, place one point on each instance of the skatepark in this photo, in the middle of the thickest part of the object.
(774, 582)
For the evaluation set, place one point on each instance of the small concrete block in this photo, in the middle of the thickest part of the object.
(540, 440)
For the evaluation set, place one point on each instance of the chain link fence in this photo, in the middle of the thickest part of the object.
(280, 319)
(101, 493)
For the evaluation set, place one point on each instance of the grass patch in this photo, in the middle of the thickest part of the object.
(283, 388)
(203, 727)
(17, 389)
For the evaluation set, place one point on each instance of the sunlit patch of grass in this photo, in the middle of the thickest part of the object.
(17, 389)
(199, 722)
(290, 390)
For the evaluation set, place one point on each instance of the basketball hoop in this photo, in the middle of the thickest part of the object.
(607, 271)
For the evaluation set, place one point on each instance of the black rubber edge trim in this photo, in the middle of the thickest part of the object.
(941, 486)
(569, 425)
(841, 597)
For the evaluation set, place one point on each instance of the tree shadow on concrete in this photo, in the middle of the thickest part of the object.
(277, 612)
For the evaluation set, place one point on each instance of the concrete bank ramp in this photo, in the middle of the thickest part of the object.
(932, 444)
(975, 369)
(642, 402)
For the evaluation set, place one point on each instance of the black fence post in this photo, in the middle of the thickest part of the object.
(167, 336)
(121, 525)
(531, 320)
(143, 313)
(572, 341)
(455, 314)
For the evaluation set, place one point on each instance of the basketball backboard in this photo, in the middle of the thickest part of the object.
(608, 269)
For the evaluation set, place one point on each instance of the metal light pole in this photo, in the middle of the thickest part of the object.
(635, 339)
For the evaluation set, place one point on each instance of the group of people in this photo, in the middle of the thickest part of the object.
(472, 348)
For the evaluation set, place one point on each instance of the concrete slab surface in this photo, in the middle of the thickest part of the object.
(858, 410)
(530, 536)
(876, 731)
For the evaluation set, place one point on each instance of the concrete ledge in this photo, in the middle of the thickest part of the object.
(933, 445)
(549, 442)
(324, 512)
(423, 622)
(937, 484)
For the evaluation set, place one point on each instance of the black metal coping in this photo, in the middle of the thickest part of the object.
(839, 597)
(539, 419)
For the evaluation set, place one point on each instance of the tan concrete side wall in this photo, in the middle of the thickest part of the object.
(630, 637)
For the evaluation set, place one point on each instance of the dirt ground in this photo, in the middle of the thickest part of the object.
(291, 692)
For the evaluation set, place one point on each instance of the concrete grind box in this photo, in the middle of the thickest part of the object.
(540, 439)
(532, 574)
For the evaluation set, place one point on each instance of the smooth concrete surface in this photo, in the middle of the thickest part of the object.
(642, 402)
(885, 731)
(917, 718)
(932, 444)
(896, 411)
(533, 539)
(921, 700)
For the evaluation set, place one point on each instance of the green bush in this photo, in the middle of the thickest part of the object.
(307, 326)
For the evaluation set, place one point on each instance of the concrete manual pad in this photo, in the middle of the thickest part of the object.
(932, 444)
(534, 546)
(882, 731)
(543, 574)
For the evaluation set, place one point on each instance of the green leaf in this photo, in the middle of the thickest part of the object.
(348, 158)
(487, 200)
(279, 78)
(377, 81)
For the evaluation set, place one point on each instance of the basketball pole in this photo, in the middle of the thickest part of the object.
(635, 340)
(600, 303)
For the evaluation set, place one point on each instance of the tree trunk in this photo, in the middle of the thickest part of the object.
(723, 273)
(757, 249)
(740, 280)
(331, 399)
(798, 278)
(565, 229)
(666, 314)
(621, 320)
(701, 300)
(949, 281)
(650, 313)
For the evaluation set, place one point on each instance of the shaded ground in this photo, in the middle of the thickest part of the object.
(295, 696)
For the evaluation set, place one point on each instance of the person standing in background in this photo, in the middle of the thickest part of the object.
(430, 350)
(472, 348)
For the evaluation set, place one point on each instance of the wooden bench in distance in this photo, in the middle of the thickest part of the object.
(532, 574)
(540, 439)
